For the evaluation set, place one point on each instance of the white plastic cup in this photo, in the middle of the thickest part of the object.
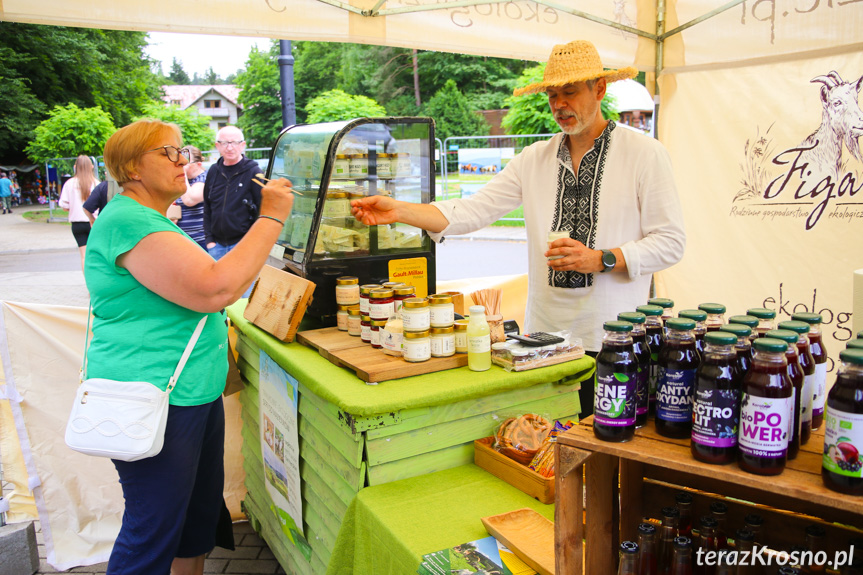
(552, 236)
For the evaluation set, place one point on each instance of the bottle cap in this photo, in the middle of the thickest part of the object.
(798, 327)
(649, 309)
(744, 534)
(754, 519)
(737, 329)
(709, 522)
(747, 320)
(785, 335)
(629, 547)
(670, 512)
(770, 344)
(682, 542)
(761, 313)
(718, 507)
(662, 302)
(810, 318)
(854, 344)
(617, 326)
(646, 529)
(721, 337)
(477, 309)
(680, 324)
(815, 531)
(683, 497)
(632, 317)
(854, 356)
(712, 307)
(694, 314)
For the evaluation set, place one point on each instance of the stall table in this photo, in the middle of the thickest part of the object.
(353, 435)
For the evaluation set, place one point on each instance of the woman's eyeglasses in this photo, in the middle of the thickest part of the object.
(173, 153)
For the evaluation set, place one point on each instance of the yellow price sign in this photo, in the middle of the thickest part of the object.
(411, 271)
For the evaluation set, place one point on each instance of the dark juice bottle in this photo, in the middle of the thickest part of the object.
(655, 337)
(749, 321)
(681, 562)
(766, 319)
(795, 374)
(715, 315)
(719, 511)
(716, 400)
(816, 544)
(819, 356)
(646, 549)
(743, 345)
(807, 365)
(667, 306)
(705, 544)
(616, 376)
(683, 502)
(699, 317)
(667, 533)
(678, 361)
(744, 541)
(843, 429)
(754, 523)
(627, 558)
(642, 355)
(765, 407)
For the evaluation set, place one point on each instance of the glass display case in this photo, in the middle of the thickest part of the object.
(333, 163)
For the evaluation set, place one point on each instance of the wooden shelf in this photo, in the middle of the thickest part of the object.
(798, 489)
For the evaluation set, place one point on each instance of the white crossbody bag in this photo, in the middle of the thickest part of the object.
(122, 420)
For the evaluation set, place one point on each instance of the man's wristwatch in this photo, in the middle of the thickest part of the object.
(608, 261)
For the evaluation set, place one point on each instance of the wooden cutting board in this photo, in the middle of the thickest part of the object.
(371, 365)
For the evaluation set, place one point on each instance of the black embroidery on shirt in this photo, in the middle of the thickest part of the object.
(577, 207)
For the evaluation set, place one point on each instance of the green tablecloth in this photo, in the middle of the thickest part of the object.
(388, 528)
(342, 387)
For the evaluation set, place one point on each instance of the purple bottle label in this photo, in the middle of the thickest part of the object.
(764, 425)
(614, 402)
(674, 394)
(715, 417)
(642, 390)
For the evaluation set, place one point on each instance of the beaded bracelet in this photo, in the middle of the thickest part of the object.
(281, 223)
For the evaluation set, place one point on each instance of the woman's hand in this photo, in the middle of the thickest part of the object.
(277, 199)
(375, 210)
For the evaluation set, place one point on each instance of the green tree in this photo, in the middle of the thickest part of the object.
(211, 78)
(70, 131)
(337, 105)
(195, 127)
(178, 75)
(260, 96)
(453, 114)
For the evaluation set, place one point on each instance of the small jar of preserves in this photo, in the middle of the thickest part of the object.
(500, 350)
(520, 356)
(384, 166)
(365, 290)
(341, 167)
(400, 164)
(354, 327)
(460, 331)
(337, 205)
(416, 346)
(441, 310)
(381, 303)
(347, 290)
(365, 328)
(442, 341)
(415, 314)
(342, 317)
(400, 294)
(359, 165)
(375, 328)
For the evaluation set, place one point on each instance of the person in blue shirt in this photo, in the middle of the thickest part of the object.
(6, 193)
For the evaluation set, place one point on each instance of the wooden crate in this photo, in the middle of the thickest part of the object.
(513, 472)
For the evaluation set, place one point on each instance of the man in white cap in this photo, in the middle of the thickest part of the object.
(611, 190)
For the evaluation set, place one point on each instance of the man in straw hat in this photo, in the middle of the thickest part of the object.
(610, 189)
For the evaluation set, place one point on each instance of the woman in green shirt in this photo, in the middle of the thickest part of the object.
(149, 285)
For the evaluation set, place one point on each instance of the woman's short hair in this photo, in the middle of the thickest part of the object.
(194, 154)
(126, 146)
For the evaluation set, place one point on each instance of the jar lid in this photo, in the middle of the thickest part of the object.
(384, 156)
(439, 330)
(365, 318)
(680, 324)
(721, 337)
(737, 329)
(854, 356)
(361, 155)
(405, 290)
(617, 326)
(356, 195)
(381, 293)
(353, 310)
(520, 352)
(649, 309)
(770, 344)
(854, 344)
(379, 322)
(392, 284)
(694, 314)
(347, 280)
(336, 195)
(712, 307)
(663, 302)
(461, 325)
(761, 313)
(440, 298)
(345, 308)
(632, 317)
(748, 320)
(785, 335)
(365, 289)
(341, 156)
(810, 318)
(500, 345)
(416, 334)
(798, 327)
(415, 302)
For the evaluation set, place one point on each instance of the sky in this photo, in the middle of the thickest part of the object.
(197, 52)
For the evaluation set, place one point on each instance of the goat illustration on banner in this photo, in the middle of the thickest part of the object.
(813, 179)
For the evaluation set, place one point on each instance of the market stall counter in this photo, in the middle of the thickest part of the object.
(351, 435)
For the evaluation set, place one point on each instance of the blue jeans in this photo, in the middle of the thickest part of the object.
(219, 251)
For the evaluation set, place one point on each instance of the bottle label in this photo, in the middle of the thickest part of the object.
(806, 398)
(479, 344)
(715, 417)
(843, 440)
(764, 425)
(642, 384)
(674, 394)
(819, 393)
(614, 400)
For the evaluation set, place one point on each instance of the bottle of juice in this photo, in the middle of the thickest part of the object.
(478, 340)
(616, 378)
(749, 321)
(655, 337)
(744, 540)
(678, 361)
(628, 558)
(719, 511)
(683, 502)
(666, 304)
(646, 549)
(743, 345)
(766, 319)
(699, 317)
(754, 522)
(765, 408)
(716, 400)
(705, 544)
(815, 542)
(819, 355)
(807, 364)
(681, 563)
(715, 315)
(642, 355)
(795, 374)
(843, 431)
(667, 533)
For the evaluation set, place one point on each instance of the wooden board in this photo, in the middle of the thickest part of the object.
(527, 534)
(371, 365)
(278, 302)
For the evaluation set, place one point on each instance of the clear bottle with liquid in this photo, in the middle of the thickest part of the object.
(646, 549)
(628, 558)
(478, 340)
(667, 533)
(681, 562)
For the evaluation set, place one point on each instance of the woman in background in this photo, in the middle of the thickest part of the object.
(192, 202)
(75, 192)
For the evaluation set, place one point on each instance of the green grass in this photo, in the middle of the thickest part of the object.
(454, 191)
(41, 216)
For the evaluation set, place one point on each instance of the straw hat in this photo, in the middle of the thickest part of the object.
(577, 61)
